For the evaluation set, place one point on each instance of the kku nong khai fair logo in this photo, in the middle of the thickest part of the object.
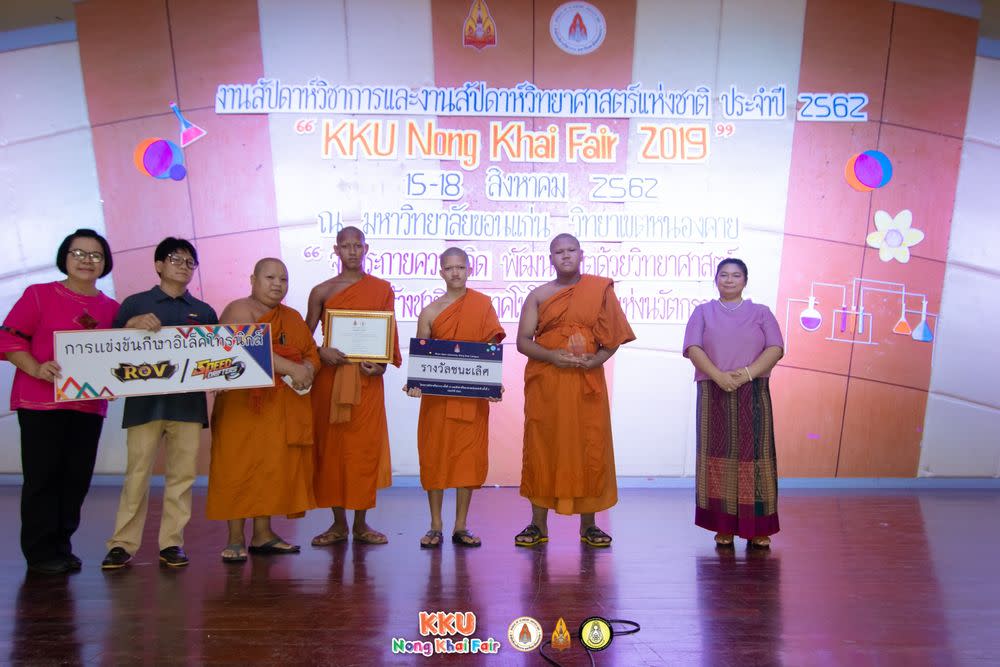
(445, 632)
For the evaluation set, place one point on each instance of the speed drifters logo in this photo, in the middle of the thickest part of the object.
(229, 368)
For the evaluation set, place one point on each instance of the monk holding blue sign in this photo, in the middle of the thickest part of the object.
(453, 432)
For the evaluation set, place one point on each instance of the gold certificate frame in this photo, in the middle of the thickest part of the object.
(362, 335)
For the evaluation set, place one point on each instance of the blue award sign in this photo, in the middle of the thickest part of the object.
(455, 368)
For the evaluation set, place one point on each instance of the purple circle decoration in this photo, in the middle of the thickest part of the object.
(868, 170)
(157, 158)
(162, 159)
(884, 164)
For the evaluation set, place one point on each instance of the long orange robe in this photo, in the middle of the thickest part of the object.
(453, 433)
(262, 439)
(352, 435)
(569, 461)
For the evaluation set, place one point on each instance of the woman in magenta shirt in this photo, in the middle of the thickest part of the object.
(58, 440)
(733, 344)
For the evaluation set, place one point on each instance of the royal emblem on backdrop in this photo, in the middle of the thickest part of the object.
(479, 30)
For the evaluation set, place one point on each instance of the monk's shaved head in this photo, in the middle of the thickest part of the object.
(565, 256)
(455, 252)
(269, 282)
(563, 237)
(262, 264)
(350, 231)
(351, 249)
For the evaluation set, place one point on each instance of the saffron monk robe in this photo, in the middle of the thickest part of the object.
(569, 327)
(352, 435)
(453, 432)
(262, 439)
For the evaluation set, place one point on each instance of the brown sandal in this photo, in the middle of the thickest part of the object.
(723, 540)
(328, 538)
(370, 536)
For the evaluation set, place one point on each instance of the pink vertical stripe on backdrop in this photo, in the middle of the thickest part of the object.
(915, 65)
(138, 57)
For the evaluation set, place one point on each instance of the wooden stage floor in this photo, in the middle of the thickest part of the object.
(854, 578)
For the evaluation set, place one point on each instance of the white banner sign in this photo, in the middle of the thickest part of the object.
(131, 362)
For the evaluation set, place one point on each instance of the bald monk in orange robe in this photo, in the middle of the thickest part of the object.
(453, 432)
(262, 439)
(569, 327)
(352, 434)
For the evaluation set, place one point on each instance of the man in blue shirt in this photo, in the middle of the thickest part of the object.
(175, 418)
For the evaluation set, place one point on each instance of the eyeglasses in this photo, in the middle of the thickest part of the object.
(80, 255)
(177, 260)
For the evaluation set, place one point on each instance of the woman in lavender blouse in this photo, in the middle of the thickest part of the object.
(58, 440)
(733, 344)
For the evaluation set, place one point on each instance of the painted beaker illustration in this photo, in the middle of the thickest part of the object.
(922, 332)
(902, 326)
(810, 318)
(190, 132)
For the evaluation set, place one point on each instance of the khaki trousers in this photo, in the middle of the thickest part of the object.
(142, 442)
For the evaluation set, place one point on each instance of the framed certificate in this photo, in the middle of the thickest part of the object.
(362, 335)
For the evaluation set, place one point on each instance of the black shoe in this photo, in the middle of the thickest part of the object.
(173, 557)
(55, 566)
(75, 564)
(116, 559)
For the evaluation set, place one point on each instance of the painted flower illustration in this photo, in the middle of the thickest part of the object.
(894, 236)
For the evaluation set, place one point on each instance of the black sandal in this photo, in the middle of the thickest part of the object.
(271, 548)
(594, 537)
(237, 548)
(464, 538)
(533, 534)
(432, 534)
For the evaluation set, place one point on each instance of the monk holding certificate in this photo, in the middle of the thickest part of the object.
(453, 432)
(352, 435)
(569, 327)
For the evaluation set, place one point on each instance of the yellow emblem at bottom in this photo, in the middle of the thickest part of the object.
(596, 633)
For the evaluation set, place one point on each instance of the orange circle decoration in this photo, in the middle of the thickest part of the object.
(140, 151)
(852, 177)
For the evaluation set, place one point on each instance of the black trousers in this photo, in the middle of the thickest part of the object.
(58, 451)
